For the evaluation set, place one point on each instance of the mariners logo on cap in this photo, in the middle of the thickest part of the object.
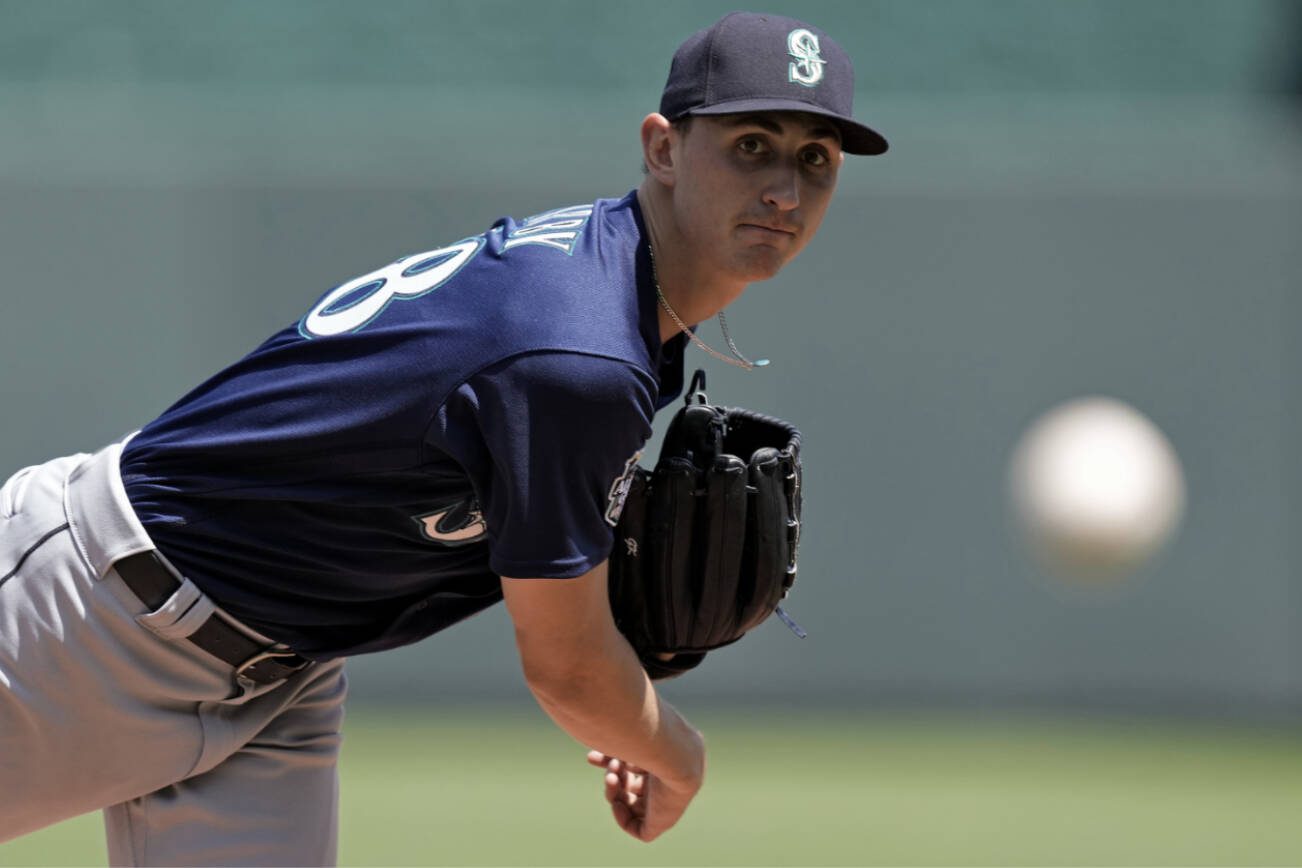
(807, 68)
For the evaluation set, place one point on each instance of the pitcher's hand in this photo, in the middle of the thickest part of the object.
(644, 805)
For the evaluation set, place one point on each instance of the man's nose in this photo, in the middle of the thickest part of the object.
(783, 190)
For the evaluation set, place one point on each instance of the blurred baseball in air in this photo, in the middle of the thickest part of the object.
(1096, 487)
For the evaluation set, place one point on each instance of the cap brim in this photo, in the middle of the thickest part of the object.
(855, 137)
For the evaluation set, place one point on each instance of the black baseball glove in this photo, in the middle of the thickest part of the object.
(705, 547)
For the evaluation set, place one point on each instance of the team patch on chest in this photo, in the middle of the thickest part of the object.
(457, 524)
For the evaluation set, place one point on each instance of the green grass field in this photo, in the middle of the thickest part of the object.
(830, 789)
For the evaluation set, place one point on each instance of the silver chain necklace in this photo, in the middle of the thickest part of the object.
(737, 358)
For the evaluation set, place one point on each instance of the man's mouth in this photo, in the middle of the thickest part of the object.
(770, 227)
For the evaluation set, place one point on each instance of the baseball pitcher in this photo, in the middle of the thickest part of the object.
(457, 428)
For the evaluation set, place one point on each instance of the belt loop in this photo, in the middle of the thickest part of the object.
(183, 613)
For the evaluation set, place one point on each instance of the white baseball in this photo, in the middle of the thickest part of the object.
(1097, 487)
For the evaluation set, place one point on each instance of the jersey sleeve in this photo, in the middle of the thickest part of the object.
(544, 438)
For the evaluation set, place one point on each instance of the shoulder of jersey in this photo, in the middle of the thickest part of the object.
(550, 261)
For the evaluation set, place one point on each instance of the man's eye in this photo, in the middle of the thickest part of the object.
(750, 146)
(816, 157)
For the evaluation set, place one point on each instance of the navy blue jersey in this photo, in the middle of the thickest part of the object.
(361, 479)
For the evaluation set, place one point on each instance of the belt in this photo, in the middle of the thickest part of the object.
(151, 581)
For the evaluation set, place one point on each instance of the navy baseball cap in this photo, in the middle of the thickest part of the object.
(748, 62)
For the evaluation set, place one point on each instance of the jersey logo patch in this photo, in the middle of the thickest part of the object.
(807, 68)
(559, 229)
(619, 490)
(457, 525)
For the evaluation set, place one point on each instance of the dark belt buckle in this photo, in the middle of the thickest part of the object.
(267, 666)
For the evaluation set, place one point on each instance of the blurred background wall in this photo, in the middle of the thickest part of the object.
(1087, 197)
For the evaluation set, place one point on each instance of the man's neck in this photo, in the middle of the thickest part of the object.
(691, 290)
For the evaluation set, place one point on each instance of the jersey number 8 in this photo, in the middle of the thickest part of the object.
(350, 306)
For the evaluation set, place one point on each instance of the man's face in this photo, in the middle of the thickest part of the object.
(750, 190)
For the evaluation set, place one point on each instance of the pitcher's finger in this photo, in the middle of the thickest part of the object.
(614, 787)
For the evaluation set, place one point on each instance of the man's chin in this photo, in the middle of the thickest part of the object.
(762, 264)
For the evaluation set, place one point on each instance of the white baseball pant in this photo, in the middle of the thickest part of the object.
(105, 705)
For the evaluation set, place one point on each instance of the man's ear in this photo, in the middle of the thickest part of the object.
(658, 138)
